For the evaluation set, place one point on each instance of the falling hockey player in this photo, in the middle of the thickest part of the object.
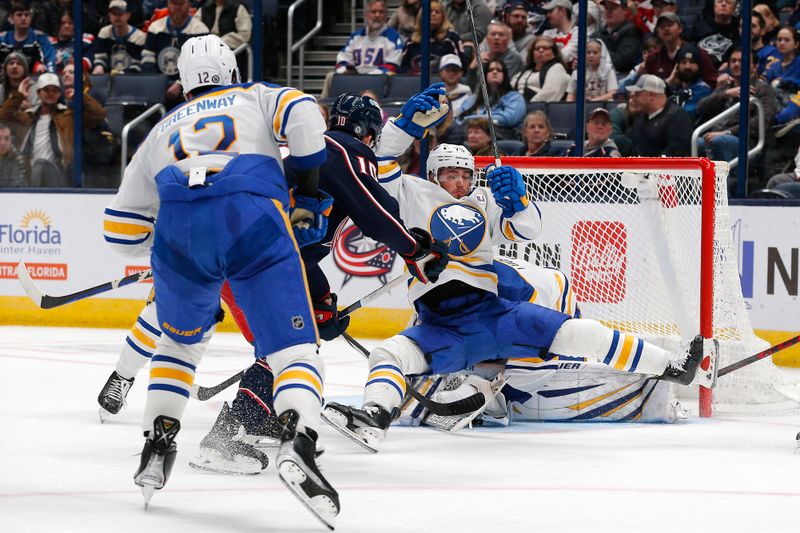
(462, 321)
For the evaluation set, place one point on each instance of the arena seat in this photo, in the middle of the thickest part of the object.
(356, 83)
(99, 90)
(138, 89)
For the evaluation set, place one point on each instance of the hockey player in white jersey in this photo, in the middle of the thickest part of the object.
(462, 321)
(206, 197)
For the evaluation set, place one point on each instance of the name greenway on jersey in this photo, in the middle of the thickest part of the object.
(221, 102)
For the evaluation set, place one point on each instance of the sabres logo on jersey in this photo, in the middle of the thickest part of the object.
(460, 226)
(358, 255)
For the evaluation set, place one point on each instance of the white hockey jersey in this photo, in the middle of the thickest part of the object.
(253, 118)
(470, 226)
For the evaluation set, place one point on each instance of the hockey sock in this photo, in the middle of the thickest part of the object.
(388, 364)
(299, 377)
(140, 343)
(172, 370)
(626, 353)
(253, 402)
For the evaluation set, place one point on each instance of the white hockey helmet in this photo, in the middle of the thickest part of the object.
(449, 155)
(207, 60)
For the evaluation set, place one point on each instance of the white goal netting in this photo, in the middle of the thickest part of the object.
(628, 233)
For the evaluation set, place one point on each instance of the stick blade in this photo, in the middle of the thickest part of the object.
(31, 290)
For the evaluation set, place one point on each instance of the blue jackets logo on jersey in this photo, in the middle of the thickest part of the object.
(460, 226)
(357, 255)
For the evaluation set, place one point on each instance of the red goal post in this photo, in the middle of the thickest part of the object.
(680, 200)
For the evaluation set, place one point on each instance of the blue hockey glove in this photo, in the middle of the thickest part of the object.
(329, 324)
(429, 259)
(508, 189)
(422, 111)
(309, 218)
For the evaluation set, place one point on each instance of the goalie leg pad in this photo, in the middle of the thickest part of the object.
(468, 386)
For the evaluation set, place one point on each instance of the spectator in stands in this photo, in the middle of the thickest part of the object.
(443, 41)
(622, 38)
(375, 48)
(559, 15)
(64, 45)
(766, 53)
(479, 140)
(622, 119)
(784, 75)
(662, 64)
(651, 45)
(48, 140)
(460, 98)
(118, 47)
(789, 116)
(772, 23)
(229, 19)
(149, 7)
(537, 133)
(508, 106)
(498, 46)
(645, 18)
(15, 69)
(14, 171)
(722, 143)
(662, 128)
(163, 43)
(45, 15)
(456, 11)
(789, 177)
(34, 44)
(717, 30)
(595, 21)
(685, 85)
(404, 18)
(515, 15)
(545, 78)
(598, 132)
(601, 80)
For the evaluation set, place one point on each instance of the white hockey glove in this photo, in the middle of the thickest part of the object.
(426, 109)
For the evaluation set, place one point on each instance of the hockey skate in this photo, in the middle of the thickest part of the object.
(158, 456)
(298, 470)
(366, 427)
(683, 368)
(112, 397)
(225, 451)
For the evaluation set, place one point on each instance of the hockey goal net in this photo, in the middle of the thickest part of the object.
(648, 247)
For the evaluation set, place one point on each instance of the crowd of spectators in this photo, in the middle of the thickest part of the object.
(657, 68)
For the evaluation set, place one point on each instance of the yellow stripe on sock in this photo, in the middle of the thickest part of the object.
(142, 337)
(172, 373)
(625, 353)
(301, 375)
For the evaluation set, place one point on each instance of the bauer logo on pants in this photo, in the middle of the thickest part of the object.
(599, 261)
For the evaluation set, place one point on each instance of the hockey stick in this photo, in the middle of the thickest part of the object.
(47, 301)
(759, 356)
(204, 393)
(456, 408)
(482, 83)
(380, 291)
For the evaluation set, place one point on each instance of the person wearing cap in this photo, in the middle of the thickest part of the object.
(15, 70)
(119, 46)
(163, 42)
(32, 43)
(515, 15)
(669, 28)
(598, 136)
(622, 38)
(47, 129)
(451, 71)
(685, 85)
(645, 17)
(457, 14)
(559, 15)
(717, 30)
(663, 128)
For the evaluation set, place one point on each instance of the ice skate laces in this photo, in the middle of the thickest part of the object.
(679, 358)
(118, 389)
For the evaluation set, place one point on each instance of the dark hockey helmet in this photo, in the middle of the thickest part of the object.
(359, 115)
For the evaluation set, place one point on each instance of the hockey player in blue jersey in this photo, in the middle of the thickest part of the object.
(206, 197)
(349, 176)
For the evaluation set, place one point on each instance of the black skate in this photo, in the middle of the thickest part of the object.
(366, 427)
(158, 456)
(224, 450)
(112, 397)
(682, 369)
(298, 470)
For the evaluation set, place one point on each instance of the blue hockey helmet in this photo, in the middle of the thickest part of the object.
(359, 115)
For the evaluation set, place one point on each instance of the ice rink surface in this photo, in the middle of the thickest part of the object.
(61, 470)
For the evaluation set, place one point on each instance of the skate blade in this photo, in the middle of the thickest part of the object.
(104, 415)
(208, 465)
(147, 492)
(292, 476)
(334, 419)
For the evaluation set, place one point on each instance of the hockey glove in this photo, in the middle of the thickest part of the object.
(508, 189)
(329, 324)
(429, 259)
(423, 110)
(309, 218)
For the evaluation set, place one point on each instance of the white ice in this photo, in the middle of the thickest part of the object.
(61, 470)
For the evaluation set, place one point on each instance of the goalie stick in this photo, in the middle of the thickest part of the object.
(457, 408)
(759, 356)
